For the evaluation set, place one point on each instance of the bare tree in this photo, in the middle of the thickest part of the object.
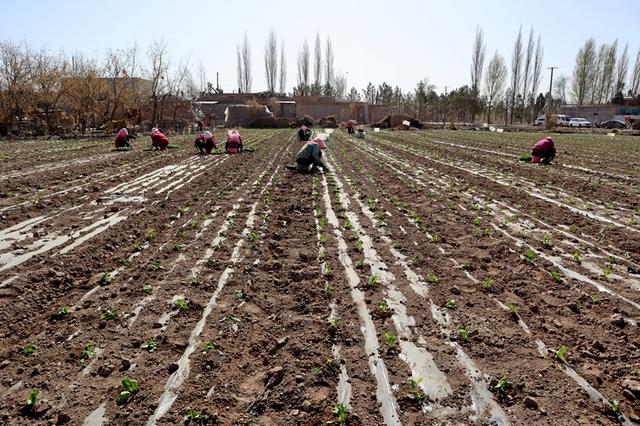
(597, 86)
(49, 82)
(537, 70)
(86, 91)
(202, 76)
(526, 71)
(119, 70)
(239, 68)
(608, 72)
(271, 61)
(317, 66)
(582, 71)
(303, 69)
(329, 73)
(622, 71)
(176, 84)
(477, 65)
(283, 68)
(516, 68)
(340, 86)
(354, 95)
(560, 88)
(16, 81)
(495, 79)
(245, 55)
(635, 78)
(157, 53)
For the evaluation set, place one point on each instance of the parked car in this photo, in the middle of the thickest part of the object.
(613, 124)
(579, 122)
(562, 120)
(539, 121)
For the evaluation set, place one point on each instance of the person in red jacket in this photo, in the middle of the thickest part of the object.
(158, 140)
(234, 143)
(205, 143)
(350, 125)
(122, 138)
(544, 151)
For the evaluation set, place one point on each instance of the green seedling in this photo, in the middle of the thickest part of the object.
(194, 280)
(360, 264)
(347, 225)
(183, 209)
(613, 260)
(328, 288)
(32, 400)
(182, 304)
(476, 221)
(138, 246)
(195, 416)
(372, 204)
(111, 314)
(28, 349)
(464, 333)
(359, 246)
(63, 312)
(322, 238)
(513, 309)
(450, 304)
(606, 272)
(147, 288)
(193, 224)
(130, 388)
(595, 299)
(573, 228)
(561, 353)
(341, 412)
(150, 235)
(179, 247)
(546, 241)
(384, 306)
(525, 157)
(217, 246)
(230, 318)
(106, 279)
(488, 283)
(253, 236)
(317, 370)
(466, 265)
(155, 266)
(419, 397)
(328, 271)
(432, 278)
(435, 239)
(182, 234)
(373, 280)
(391, 341)
(530, 256)
(208, 346)
(503, 385)
(331, 365)
(150, 345)
(396, 245)
(575, 257)
(555, 276)
(88, 352)
(488, 232)
(614, 406)
(333, 322)
(238, 294)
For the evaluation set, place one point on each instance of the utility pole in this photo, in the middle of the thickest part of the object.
(550, 90)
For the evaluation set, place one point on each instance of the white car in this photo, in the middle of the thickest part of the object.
(539, 121)
(579, 122)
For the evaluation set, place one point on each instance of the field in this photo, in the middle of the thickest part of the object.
(428, 277)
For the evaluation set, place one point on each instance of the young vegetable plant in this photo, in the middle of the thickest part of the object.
(179, 247)
(488, 283)
(341, 412)
(432, 278)
(106, 279)
(595, 299)
(373, 280)
(530, 256)
(208, 346)
(130, 388)
(63, 311)
(464, 333)
(138, 246)
(359, 264)
(110, 314)
(28, 349)
(606, 273)
(150, 345)
(450, 304)
(561, 353)
(476, 221)
(503, 385)
(466, 265)
(147, 288)
(419, 397)
(359, 246)
(155, 266)
(88, 352)
(614, 406)
(182, 304)
(391, 341)
(195, 416)
(150, 235)
(514, 310)
(328, 271)
(333, 322)
(546, 241)
(555, 276)
(182, 234)
(32, 400)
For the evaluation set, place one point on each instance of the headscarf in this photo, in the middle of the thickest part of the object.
(207, 135)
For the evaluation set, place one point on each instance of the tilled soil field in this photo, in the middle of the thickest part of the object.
(426, 278)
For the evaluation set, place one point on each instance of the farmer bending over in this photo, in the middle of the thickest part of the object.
(158, 140)
(309, 157)
(360, 134)
(234, 143)
(304, 134)
(350, 125)
(205, 142)
(544, 151)
(122, 138)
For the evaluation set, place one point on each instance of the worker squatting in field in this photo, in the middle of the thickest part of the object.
(543, 151)
(158, 140)
(205, 142)
(309, 158)
(122, 138)
(304, 134)
(234, 143)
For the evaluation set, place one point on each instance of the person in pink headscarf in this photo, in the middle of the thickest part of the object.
(122, 138)
(205, 142)
(158, 140)
(544, 151)
(309, 158)
(234, 143)
(304, 134)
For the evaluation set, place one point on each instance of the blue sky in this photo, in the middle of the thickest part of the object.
(399, 41)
